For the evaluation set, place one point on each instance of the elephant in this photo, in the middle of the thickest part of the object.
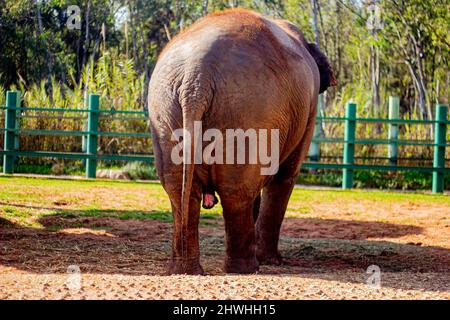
(234, 69)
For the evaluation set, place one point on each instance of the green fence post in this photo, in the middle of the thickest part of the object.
(17, 138)
(12, 102)
(85, 128)
(92, 138)
(314, 148)
(394, 114)
(349, 146)
(84, 140)
(440, 132)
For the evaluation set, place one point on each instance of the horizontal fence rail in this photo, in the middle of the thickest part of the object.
(94, 114)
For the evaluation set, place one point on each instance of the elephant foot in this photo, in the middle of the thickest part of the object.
(191, 267)
(242, 266)
(266, 257)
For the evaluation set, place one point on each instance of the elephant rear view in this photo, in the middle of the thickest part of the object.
(232, 109)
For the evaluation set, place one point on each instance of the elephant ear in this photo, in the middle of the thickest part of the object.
(327, 78)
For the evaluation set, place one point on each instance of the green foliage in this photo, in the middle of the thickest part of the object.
(373, 179)
(119, 86)
(322, 178)
(34, 168)
(140, 171)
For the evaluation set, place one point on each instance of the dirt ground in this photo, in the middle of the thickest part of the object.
(104, 240)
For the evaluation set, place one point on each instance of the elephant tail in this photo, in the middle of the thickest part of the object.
(193, 110)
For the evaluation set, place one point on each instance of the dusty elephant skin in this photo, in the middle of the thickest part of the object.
(235, 69)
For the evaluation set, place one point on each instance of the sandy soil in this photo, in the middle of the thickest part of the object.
(326, 256)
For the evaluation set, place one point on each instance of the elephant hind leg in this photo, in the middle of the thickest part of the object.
(184, 240)
(256, 207)
(240, 236)
(274, 201)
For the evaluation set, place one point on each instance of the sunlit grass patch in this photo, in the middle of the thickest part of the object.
(25, 201)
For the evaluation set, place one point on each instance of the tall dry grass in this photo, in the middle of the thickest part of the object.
(114, 78)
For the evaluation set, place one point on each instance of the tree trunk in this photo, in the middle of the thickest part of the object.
(420, 90)
(47, 49)
(375, 67)
(320, 109)
(338, 49)
(86, 38)
(314, 149)
(315, 13)
(126, 38)
(205, 7)
(168, 35)
(144, 67)
(133, 33)
(423, 85)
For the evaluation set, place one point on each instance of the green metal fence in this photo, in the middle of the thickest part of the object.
(12, 132)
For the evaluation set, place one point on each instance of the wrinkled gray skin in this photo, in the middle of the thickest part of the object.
(235, 70)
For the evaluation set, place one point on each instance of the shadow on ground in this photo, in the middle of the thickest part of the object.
(138, 243)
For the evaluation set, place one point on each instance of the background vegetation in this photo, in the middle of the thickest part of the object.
(400, 48)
